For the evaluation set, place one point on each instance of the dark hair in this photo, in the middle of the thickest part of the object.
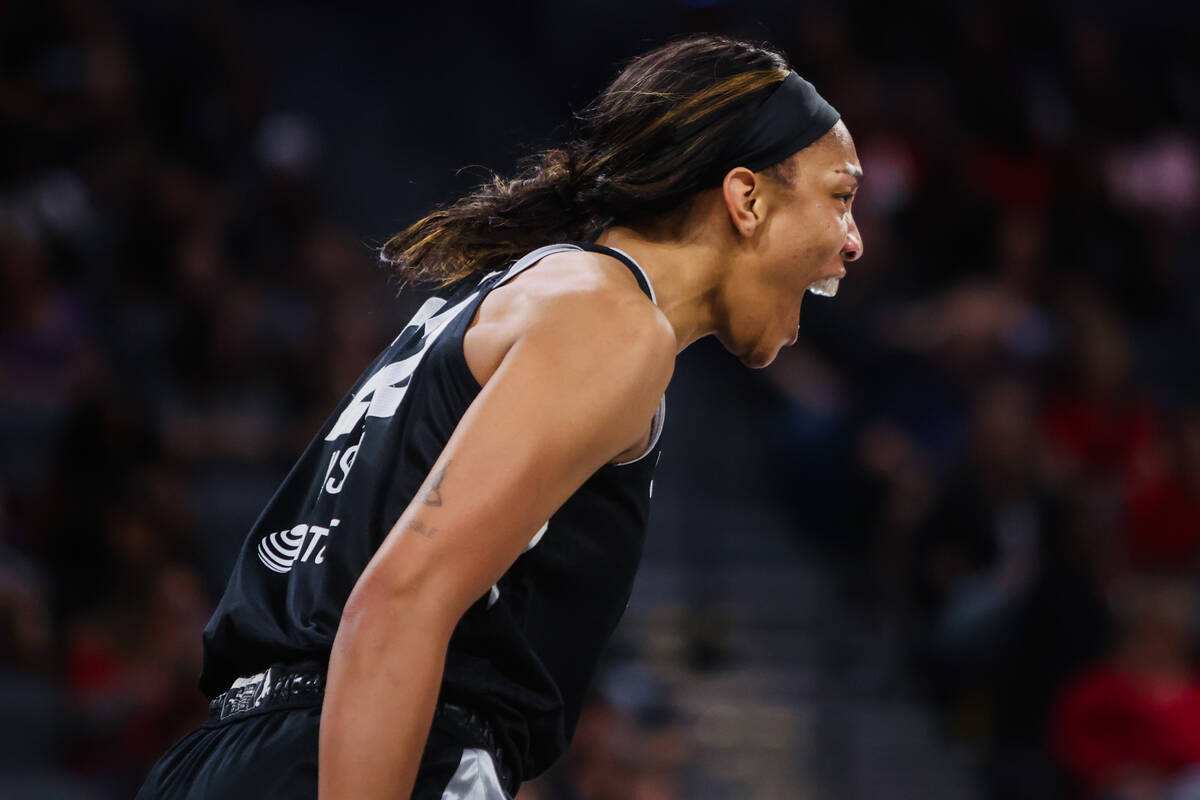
(643, 147)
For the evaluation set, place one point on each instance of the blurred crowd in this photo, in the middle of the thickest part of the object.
(994, 430)
(997, 422)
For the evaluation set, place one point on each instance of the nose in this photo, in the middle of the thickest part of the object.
(852, 248)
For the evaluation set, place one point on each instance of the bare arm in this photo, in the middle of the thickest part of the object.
(575, 389)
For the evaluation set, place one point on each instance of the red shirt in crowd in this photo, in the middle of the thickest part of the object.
(1109, 439)
(1110, 720)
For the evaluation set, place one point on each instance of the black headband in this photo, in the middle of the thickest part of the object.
(791, 118)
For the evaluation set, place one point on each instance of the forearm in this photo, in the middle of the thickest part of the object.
(384, 674)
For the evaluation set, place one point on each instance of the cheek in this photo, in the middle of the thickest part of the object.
(813, 245)
(825, 230)
(836, 227)
(805, 245)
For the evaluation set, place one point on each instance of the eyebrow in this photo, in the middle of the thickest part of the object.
(853, 172)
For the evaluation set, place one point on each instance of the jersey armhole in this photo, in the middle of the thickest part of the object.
(461, 369)
(656, 428)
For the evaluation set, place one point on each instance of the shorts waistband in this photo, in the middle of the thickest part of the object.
(271, 689)
(279, 688)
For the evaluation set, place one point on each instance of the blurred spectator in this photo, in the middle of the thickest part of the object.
(131, 669)
(982, 545)
(1129, 728)
(630, 744)
(24, 618)
(1013, 598)
(43, 353)
(1162, 521)
(1097, 423)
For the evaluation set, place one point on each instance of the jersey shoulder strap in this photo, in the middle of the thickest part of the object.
(628, 261)
(534, 256)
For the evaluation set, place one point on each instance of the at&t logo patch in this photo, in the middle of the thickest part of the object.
(280, 551)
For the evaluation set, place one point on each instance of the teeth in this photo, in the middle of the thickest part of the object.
(825, 288)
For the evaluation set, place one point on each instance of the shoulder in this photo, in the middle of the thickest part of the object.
(578, 302)
(590, 289)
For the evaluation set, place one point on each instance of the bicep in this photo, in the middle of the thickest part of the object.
(570, 394)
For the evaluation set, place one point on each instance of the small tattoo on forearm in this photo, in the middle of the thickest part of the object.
(433, 495)
(420, 527)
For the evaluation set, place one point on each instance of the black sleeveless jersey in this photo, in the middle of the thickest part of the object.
(524, 653)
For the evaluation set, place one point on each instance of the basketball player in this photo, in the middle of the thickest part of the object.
(420, 607)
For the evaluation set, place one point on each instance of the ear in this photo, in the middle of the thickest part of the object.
(742, 191)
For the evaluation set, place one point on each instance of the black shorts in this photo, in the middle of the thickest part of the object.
(274, 754)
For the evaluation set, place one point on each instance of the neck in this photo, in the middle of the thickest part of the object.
(685, 273)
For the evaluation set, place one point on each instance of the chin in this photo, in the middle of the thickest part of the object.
(757, 360)
(756, 355)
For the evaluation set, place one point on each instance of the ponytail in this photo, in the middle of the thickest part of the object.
(648, 143)
(548, 201)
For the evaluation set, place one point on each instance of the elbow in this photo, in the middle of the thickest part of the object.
(381, 604)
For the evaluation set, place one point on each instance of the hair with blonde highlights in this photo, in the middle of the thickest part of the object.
(642, 148)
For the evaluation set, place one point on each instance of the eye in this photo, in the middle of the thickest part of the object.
(845, 198)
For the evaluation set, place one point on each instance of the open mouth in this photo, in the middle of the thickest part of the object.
(826, 287)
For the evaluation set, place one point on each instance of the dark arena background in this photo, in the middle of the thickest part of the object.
(945, 547)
